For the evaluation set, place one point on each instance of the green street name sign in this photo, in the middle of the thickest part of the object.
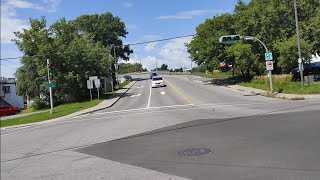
(51, 85)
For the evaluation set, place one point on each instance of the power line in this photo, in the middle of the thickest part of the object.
(131, 44)
(146, 42)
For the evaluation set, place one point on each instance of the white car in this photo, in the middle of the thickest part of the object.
(157, 81)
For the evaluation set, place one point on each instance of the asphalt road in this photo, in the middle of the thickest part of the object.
(152, 133)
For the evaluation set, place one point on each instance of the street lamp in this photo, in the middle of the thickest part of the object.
(298, 41)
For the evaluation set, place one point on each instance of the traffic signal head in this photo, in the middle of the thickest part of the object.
(50, 73)
(229, 39)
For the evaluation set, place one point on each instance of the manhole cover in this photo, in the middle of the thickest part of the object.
(194, 152)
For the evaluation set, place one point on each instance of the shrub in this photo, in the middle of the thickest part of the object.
(38, 104)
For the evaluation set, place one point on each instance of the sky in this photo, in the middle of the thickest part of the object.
(145, 20)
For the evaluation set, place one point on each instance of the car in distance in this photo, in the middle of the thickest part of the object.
(309, 69)
(8, 110)
(152, 74)
(157, 81)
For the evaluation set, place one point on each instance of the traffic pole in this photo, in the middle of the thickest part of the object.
(298, 41)
(50, 89)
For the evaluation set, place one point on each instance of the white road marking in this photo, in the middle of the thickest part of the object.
(163, 93)
(135, 95)
(149, 97)
(156, 109)
(139, 87)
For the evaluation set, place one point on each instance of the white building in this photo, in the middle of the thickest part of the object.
(8, 94)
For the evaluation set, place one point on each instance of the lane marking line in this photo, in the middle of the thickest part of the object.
(178, 92)
(71, 120)
(163, 93)
(149, 97)
(135, 95)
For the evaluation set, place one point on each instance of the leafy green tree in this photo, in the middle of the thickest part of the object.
(164, 67)
(74, 58)
(244, 58)
(125, 68)
(288, 53)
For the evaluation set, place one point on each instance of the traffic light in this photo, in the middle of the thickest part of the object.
(50, 72)
(229, 39)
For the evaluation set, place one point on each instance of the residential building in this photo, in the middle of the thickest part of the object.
(8, 93)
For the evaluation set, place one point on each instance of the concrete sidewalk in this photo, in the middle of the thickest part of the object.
(103, 105)
(278, 95)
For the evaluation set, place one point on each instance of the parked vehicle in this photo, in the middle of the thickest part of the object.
(157, 81)
(309, 69)
(8, 110)
(127, 77)
(152, 74)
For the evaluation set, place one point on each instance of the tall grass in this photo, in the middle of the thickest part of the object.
(282, 84)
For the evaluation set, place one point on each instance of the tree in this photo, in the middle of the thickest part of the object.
(164, 67)
(125, 68)
(288, 53)
(271, 21)
(108, 30)
(74, 58)
(244, 58)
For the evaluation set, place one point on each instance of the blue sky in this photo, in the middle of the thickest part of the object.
(145, 20)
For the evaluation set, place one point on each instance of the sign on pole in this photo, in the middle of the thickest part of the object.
(93, 77)
(97, 84)
(268, 56)
(90, 86)
(51, 85)
(269, 65)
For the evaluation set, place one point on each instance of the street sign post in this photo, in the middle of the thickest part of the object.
(269, 65)
(51, 85)
(97, 84)
(90, 86)
(268, 56)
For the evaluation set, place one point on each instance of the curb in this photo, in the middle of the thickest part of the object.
(70, 115)
(277, 95)
(107, 106)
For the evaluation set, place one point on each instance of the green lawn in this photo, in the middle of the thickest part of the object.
(216, 75)
(61, 110)
(284, 86)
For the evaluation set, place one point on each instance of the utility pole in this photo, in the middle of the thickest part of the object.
(298, 41)
(141, 66)
(50, 88)
(156, 65)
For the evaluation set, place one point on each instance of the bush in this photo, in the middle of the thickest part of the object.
(38, 104)
(280, 89)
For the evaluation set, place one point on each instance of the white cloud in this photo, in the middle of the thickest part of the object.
(175, 54)
(11, 23)
(190, 14)
(150, 46)
(127, 4)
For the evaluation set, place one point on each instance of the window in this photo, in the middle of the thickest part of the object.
(6, 89)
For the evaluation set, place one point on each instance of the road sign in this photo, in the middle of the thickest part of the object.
(269, 65)
(89, 84)
(93, 77)
(97, 83)
(268, 56)
(52, 85)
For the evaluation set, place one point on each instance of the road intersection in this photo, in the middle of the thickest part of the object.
(141, 136)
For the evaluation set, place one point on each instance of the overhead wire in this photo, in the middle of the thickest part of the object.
(130, 44)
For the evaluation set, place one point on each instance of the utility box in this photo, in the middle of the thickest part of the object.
(309, 79)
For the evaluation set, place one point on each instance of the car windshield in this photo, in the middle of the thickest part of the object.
(157, 78)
